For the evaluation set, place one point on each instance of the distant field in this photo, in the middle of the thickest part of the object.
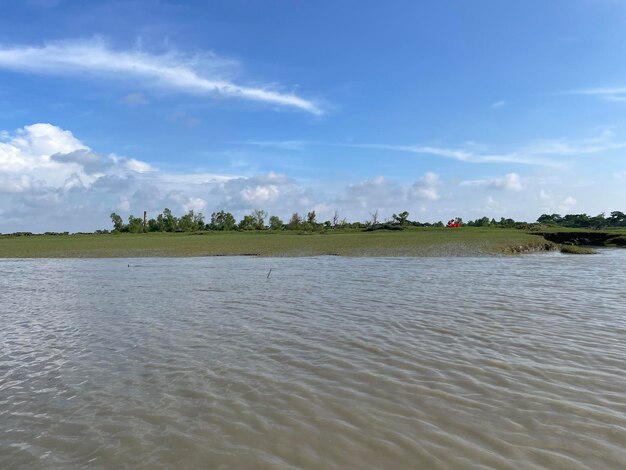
(466, 241)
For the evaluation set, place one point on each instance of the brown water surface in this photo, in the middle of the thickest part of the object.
(333, 363)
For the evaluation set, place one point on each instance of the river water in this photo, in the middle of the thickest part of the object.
(331, 363)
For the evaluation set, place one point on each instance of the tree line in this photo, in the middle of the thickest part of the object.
(616, 219)
(258, 219)
(222, 221)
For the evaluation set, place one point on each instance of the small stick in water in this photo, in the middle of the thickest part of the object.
(268, 274)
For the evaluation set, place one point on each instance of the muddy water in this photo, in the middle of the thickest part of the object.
(332, 363)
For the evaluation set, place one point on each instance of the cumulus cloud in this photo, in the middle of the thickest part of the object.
(509, 182)
(50, 180)
(42, 165)
(427, 186)
(198, 75)
(387, 196)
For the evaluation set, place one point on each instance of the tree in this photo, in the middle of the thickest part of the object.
(259, 218)
(310, 218)
(549, 219)
(198, 221)
(187, 222)
(166, 221)
(598, 221)
(276, 223)
(247, 223)
(484, 222)
(617, 219)
(374, 219)
(153, 226)
(135, 224)
(118, 223)
(402, 218)
(222, 221)
(295, 222)
(335, 219)
(507, 223)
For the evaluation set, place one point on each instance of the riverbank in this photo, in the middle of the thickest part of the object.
(466, 241)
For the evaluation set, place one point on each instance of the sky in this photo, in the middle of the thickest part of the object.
(441, 108)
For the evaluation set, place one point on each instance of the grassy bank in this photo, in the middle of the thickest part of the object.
(576, 250)
(467, 241)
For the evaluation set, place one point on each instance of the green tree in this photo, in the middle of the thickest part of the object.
(135, 224)
(247, 223)
(402, 218)
(198, 221)
(166, 221)
(222, 221)
(549, 219)
(295, 222)
(276, 223)
(259, 218)
(484, 222)
(617, 219)
(118, 223)
(311, 218)
(186, 223)
(153, 226)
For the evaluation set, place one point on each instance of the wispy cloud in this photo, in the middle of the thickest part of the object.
(541, 152)
(460, 154)
(509, 182)
(606, 93)
(279, 144)
(135, 99)
(497, 104)
(199, 75)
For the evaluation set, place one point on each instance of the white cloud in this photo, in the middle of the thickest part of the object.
(497, 104)
(509, 182)
(200, 75)
(426, 187)
(387, 196)
(566, 205)
(260, 194)
(138, 166)
(569, 201)
(541, 152)
(615, 93)
(279, 144)
(50, 180)
(467, 155)
(195, 204)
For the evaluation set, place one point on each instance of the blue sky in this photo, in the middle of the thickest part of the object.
(444, 109)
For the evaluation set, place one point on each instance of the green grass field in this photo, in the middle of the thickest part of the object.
(467, 241)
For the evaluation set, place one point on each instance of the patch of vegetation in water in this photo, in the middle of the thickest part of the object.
(577, 250)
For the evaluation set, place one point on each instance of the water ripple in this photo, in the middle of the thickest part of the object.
(331, 363)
